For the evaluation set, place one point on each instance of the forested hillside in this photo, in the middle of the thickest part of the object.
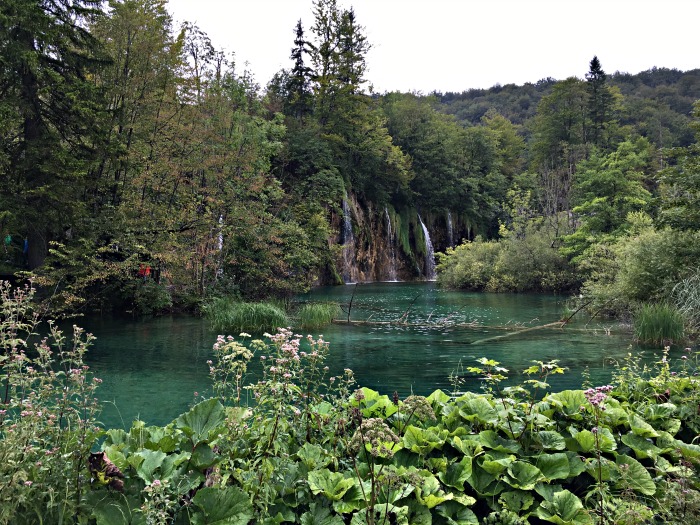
(141, 168)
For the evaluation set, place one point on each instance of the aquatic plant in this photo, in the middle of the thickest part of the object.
(313, 316)
(658, 324)
(230, 315)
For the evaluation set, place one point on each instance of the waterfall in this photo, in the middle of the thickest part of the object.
(220, 236)
(450, 230)
(348, 245)
(390, 237)
(430, 273)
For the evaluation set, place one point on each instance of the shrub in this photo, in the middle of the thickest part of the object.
(48, 416)
(151, 298)
(658, 324)
(468, 266)
(527, 261)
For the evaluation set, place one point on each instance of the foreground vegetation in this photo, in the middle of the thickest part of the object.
(300, 447)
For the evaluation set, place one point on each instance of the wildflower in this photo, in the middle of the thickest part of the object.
(359, 395)
(594, 430)
(419, 407)
(28, 483)
(375, 433)
(156, 483)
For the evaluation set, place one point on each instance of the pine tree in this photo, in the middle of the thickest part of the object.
(51, 108)
(299, 98)
(599, 102)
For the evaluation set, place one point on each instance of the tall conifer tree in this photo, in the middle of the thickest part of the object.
(50, 108)
(599, 102)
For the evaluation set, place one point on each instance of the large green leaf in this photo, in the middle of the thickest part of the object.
(634, 475)
(151, 461)
(352, 501)
(313, 456)
(430, 493)
(516, 500)
(576, 464)
(333, 485)
(438, 397)
(202, 420)
(418, 514)
(383, 514)
(642, 447)
(550, 440)
(111, 512)
(554, 466)
(490, 439)
(564, 509)
(320, 515)
(568, 402)
(469, 446)
(423, 441)
(523, 475)
(171, 464)
(456, 514)
(478, 409)
(457, 473)
(222, 506)
(641, 427)
(483, 482)
(496, 463)
(203, 457)
(662, 411)
(588, 441)
(374, 404)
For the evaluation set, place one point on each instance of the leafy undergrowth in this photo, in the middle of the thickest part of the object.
(315, 450)
(618, 454)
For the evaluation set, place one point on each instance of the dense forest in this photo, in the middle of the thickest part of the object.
(142, 169)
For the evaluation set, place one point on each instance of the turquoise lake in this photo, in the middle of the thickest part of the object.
(152, 368)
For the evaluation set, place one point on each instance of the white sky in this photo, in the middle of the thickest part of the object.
(454, 45)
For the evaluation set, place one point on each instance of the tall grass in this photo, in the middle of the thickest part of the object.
(686, 295)
(316, 315)
(232, 317)
(659, 324)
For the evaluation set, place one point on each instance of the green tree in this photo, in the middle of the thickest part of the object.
(559, 130)
(599, 103)
(51, 111)
(299, 99)
(680, 192)
(607, 188)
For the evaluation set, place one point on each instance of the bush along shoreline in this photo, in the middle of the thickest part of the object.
(299, 446)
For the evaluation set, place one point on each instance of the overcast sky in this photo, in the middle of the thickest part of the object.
(454, 45)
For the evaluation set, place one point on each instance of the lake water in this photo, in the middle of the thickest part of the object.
(151, 368)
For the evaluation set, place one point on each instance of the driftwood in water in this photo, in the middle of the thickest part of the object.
(559, 324)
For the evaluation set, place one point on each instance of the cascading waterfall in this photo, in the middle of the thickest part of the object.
(348, 245)
(430, 273)
(450, 230)
(391, 240)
